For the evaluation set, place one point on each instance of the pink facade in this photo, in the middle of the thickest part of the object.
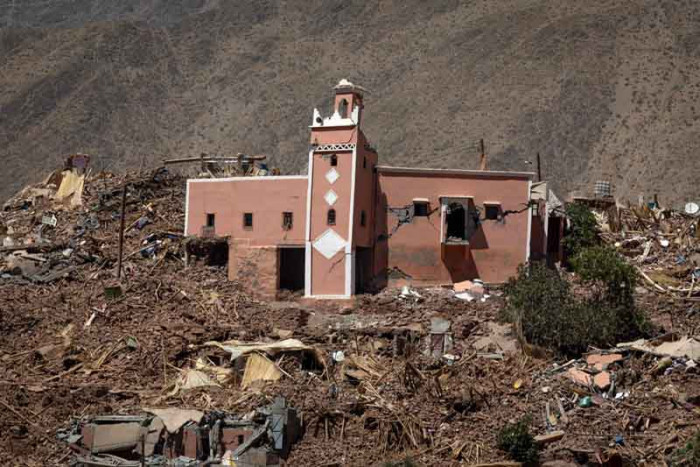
(418, 250)
(267, 198)
(357, 226)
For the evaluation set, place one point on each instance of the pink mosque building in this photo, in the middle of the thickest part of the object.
(351, 225)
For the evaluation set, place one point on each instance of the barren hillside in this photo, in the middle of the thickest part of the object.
(603, 89)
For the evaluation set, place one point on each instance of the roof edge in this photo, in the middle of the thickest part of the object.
(478, 173)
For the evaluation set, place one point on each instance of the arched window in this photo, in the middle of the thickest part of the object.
(331, 217)
(343, 108)
(334, 160)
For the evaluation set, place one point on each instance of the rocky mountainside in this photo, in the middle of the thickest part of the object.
(603, 89)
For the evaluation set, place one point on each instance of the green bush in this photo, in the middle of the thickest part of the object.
(516, 440)
(405, 462)
(543, 307)
(583, 232)
(602, 267)
(688, 455)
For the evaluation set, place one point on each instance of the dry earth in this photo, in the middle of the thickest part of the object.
(603, 89)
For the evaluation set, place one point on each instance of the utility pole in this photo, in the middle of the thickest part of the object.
(482, 163)
(121, 233)
(539, 170)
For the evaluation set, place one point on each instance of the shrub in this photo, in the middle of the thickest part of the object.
(516, 440)
(406, 462)
(583, 232)
(545, 310)
(607, 273)
(689, 454)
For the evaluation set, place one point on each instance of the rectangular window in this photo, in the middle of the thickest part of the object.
(363, 218)
(210, 220)
(331, 217)
(248, 220)
(287, 220)
(364, 162)
(420, 208)
(492, 211)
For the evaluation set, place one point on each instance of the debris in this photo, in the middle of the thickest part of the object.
(549, 437)
(193, 379)
(602, 361)
(238, 348)
(174, 419)
(687, 347)
(585, 402)
(407, 292)
(579, 377)
(259, 368)
(441, 340)
(602, 380)
(71, 188)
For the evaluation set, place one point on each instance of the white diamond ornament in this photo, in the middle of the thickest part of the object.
(329, 243)
(331, 197)
(332, 176)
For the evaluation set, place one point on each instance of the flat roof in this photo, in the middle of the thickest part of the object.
(478, 173)
(248, 178)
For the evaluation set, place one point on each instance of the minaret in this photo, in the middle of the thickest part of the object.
(331, 211)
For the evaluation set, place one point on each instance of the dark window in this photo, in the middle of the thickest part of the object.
(287, 220)
(248, 220)
(492, 211)
(420, 208)
(241, 439)
(334, 160)
(343, 108)
(456, 223)
(364, 162)
(210, 220)
(331, 217)
(363, 218)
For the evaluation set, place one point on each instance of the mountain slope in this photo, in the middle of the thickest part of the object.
(604, 90)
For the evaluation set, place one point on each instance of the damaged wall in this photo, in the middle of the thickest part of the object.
(254, 267)
(414, 247)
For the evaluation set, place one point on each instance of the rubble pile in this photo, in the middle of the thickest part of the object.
(180, 367)
(663, 244)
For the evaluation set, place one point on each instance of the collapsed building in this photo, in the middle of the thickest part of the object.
(351, 225)
(185, 438)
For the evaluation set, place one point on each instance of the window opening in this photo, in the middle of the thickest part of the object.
(456, 222)
(363, 218)
(343, 108)
(287, 220)
(248, 220)
(492, 211)
(334, 160)
(211, 220)
(331, 217)
(420, 209)
(364, 162)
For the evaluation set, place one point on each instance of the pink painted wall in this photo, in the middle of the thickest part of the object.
(365, 195)
(266, 197)
(495, 250)
(328, 275)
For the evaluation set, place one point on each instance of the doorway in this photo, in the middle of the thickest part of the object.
(363, 270)
(291, 268)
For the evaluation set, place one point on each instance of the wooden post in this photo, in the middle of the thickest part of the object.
(482, 162)
(121, 233)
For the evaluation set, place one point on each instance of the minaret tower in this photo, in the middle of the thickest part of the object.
(336, 153)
